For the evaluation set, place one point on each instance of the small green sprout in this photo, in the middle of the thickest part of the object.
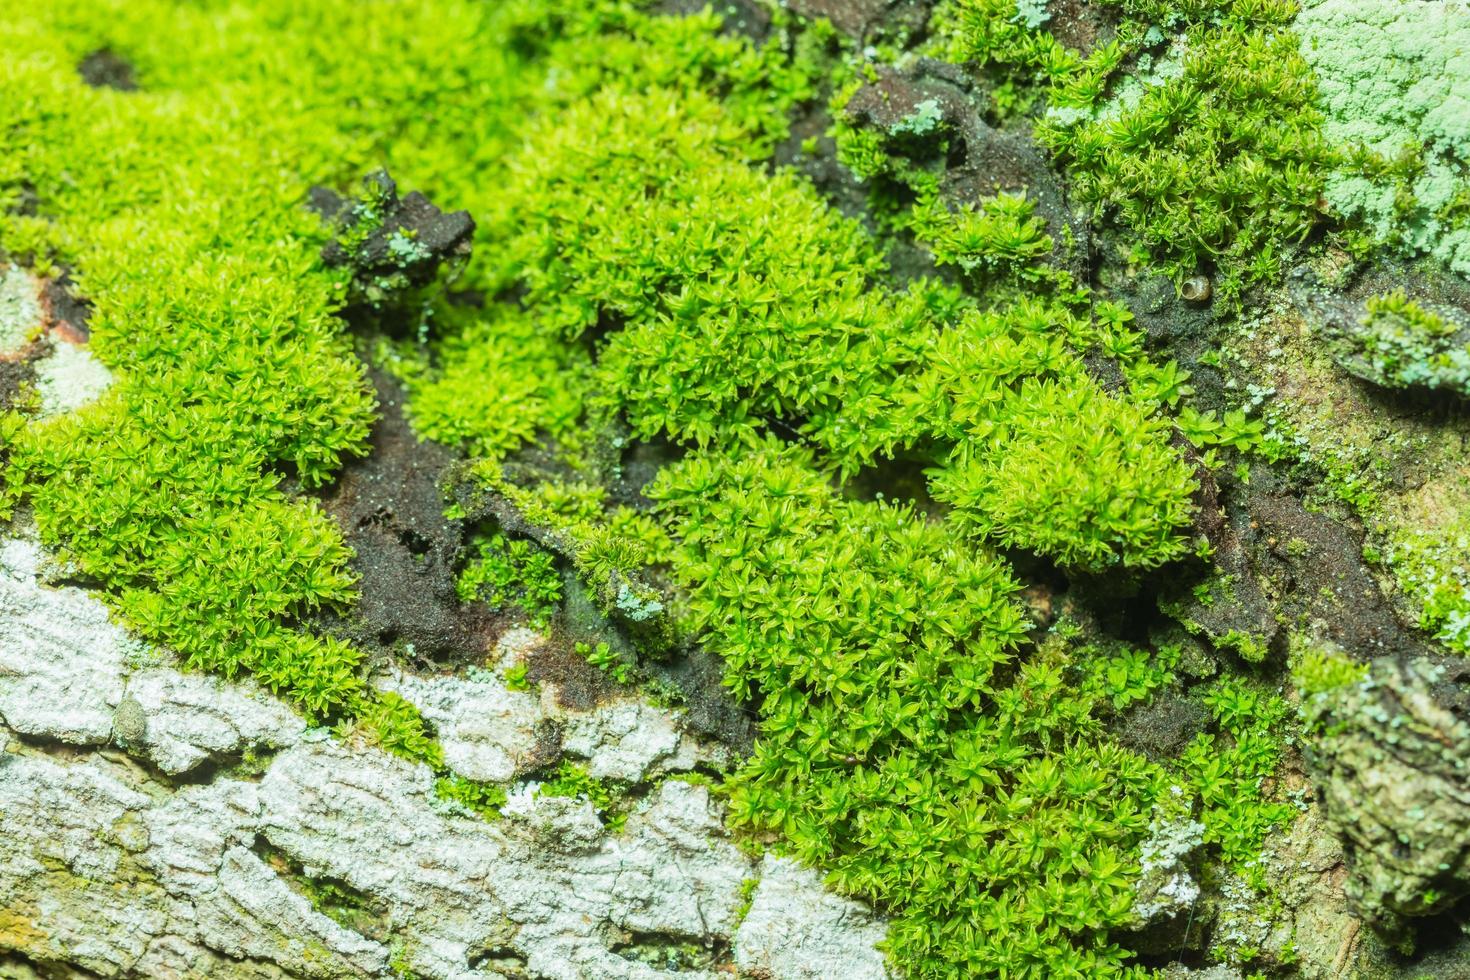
(606, 660)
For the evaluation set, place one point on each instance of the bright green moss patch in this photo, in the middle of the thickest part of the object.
(483, 799)
(1043, 459)
(395, 724)
(200, 264)
(642, 283)
(997, 237)
(902, 745)
(503, 382)
(1318, 670)
(1226, 770)
(740, 297)
(512, 571)
(768, 316)
(1219, 168)
(180, 206)
(1068, 471)
(1127, 676)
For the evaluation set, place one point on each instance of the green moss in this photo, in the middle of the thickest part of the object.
(1126, 676)
(574, 781)
(1431, 567)
(500, 382)
(1209, 430)
(1402, 345)
(1227, 770)
(766, 316)
(1069, 472)
(1000, 237)
(747, 899)
(399, 962)
(605, 659)
(515, 678)
(902, 744)
(390, 721)
(707, 354)
(1187, 167)
(1317, 670)
(1250, 648)
(512, 571)
(1186, 159)
(180, 207)
(483, 799)
(643, 273)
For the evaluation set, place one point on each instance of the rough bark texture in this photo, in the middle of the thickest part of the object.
(1394, 767)
(162, 824)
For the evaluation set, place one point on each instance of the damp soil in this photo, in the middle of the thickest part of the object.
(67, 314)
(18, 375)
(406, 552)
(106, 68)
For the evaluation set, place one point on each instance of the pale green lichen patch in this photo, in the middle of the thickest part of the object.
(1391, 77)
(20, 309)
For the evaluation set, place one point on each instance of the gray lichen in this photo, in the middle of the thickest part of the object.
(1394, 770)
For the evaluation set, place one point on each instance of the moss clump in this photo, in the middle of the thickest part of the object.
(731, 314)
(1399, 344)
(512, 571)
(482, 799)
(605, 659)
(727, 330)
(1226, 770)
(902, 744)
(394, 723)
(497, 383)
(1127, 676)
(208, 303)
(1069, 472)
(1187, 159)
(631, 266)
(1319, 670)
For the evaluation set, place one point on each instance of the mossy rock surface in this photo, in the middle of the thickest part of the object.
(972, 448)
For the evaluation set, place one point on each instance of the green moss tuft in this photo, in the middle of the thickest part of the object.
(395, 724)
(902, 744)
(1227, 771)
(1188, 158)
(512, 571)
(1402, 345)
(1069, 472)
(482, 799)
